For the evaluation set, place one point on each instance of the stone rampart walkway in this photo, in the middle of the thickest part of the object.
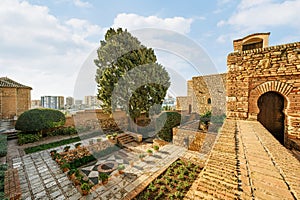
(247, 162)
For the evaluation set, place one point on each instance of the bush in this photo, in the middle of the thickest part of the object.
(63, 131)
(3, 145)
(173, 120)
(50, 145)
(37, 120)
(3, 168)
(28, 138)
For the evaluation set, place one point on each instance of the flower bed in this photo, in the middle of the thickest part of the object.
(70, 160)
(173, 183)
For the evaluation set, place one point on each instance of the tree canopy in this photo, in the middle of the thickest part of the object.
(128, 75)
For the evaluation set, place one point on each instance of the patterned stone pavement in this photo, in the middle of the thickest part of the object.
(41, 177)
(129, 184)
(247, 162)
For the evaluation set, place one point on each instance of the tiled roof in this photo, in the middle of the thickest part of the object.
(6, 82)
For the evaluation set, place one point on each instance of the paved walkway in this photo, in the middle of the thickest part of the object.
(41, 177)
(247, 162)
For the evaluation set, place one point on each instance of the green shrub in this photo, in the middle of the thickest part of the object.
(173, 120)
(3, 145)
(51, 145)
(37, 120)
(81, 161)
(28, 138)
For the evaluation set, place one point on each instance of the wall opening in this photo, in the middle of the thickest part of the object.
(271, 116)
(190, 108)
(209, 101)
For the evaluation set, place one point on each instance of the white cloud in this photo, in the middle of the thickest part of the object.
(82, 4)
(256, 15)
(134, 21)
(39, 49)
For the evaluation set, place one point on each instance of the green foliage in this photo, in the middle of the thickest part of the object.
(85, 186)
(81, 161)
(28, 138)
(172, 186)
(3, 145)
(172, 120)
(51, 145)
(37, 120)
(156, 148)
(63, 131)
(118, 54)
(149, 151)
(3, 168)
(205, 117)
(103, 176)
(121, 167)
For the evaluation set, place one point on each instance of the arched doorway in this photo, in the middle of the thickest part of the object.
(271, 116)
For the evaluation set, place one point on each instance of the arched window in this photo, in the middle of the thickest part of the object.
(208, 101)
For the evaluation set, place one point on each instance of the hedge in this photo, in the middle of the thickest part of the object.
(3, 168)
(24, 138)
(173, 119)
(3, 145)
(37, 120)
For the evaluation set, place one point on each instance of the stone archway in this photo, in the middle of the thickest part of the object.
(276, 86)
(271, 116)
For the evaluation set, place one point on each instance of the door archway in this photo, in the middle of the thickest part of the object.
(271, 116)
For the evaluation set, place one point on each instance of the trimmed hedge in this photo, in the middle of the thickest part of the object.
(173, 119)
(3, 168)
(37, 120)
(51, 145)
(24, 138)
(3, 145)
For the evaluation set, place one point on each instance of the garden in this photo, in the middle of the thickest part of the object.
(173, 183)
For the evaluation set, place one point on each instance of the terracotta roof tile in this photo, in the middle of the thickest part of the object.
(7, 82)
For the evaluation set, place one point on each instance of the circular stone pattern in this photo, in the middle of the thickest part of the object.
(107, 167)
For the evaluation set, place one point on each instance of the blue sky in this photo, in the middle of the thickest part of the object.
(44, 44)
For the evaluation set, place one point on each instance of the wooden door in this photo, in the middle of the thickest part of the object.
(271, 105)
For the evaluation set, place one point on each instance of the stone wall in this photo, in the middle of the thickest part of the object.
(13, 102)
(97, 119)
(205, 93)
(254, 72)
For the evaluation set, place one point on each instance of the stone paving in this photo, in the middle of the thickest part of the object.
(142, 172)
(247, 162)
(41, 177)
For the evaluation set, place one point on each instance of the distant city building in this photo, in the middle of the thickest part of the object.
(78, 102)
(92, 101)
(15, 98)
(169, 102)
(53, 102)
(70, 101)
(36, 104)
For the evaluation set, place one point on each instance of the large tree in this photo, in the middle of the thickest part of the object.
(128, 75)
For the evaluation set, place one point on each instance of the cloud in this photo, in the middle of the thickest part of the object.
(134, 21)
(39, 49)
(261, 14)
(82, 4)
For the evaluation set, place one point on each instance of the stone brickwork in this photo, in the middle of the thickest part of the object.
(205, 93)
(252, 73)
(15, 98)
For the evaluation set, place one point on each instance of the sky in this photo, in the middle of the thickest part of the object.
(50, 45)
